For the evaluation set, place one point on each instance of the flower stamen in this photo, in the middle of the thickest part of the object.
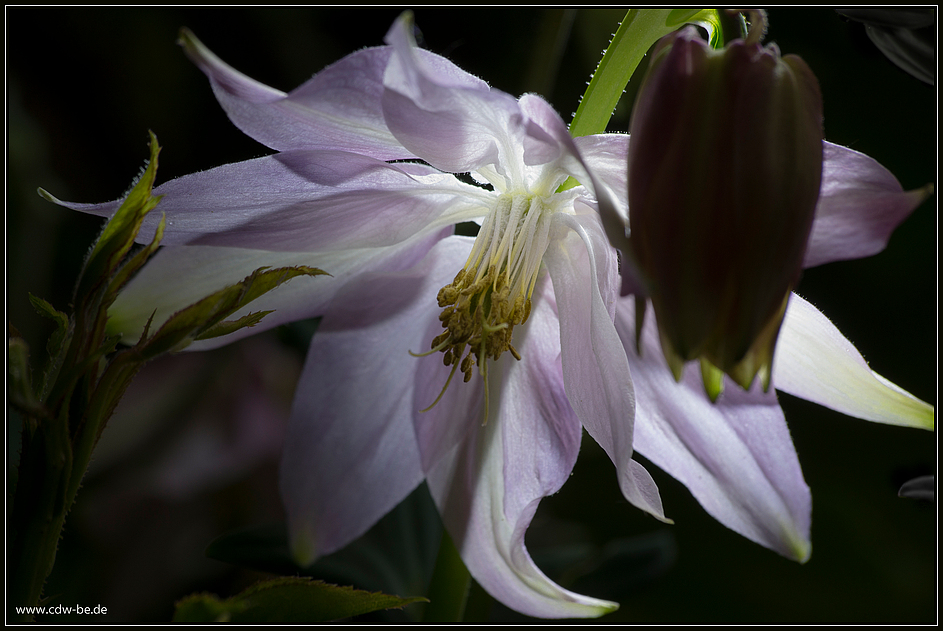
(492, 293)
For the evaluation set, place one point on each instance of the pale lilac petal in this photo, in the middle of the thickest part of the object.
(585, 282)
(444, 115)
(307, 201)
(606, 155)
(544, 122)
(177, 277)
(548, 140)
(339, 108)
(489, 487)
(351, 454)
(735, 456)
(814, 361)
(459, 410)
(860, 205)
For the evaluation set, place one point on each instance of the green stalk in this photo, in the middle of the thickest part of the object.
(448, 591)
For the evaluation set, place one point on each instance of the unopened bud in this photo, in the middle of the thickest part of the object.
(725, 165)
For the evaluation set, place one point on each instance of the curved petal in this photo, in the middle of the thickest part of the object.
(596, 372)
(860, 205)
(350, 453)
(489, 487)
(444, 408)
(543, 121)
(177, 277)
(307, 201)
(606, 155)
(735, 456)
(814, 361)
(338, 108)
(444, 115)
(459, 410)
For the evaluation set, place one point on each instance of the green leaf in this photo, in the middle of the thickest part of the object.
(56, 345)
(231, 326)
(287, 600)
(395, 556)
(204, 318)
(45, 309)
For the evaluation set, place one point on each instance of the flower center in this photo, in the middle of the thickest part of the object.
(492, 293)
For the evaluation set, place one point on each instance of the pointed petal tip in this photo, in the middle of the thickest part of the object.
(303, 551)
(790, 542)
(604, 607)
(405, 22)
(924, 192)
(191, 45)
(814, 361)
(802, 550)
(49, 197)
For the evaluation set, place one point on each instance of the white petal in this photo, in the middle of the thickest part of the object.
(307, 201)
(488, 488)
(814, 361)
(338, 108)
(735, 456)
(598, 384)
(444, 115)
(351, 453)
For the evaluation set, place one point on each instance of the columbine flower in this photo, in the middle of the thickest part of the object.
(528, 312)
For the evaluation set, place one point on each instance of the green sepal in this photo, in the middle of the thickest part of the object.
(136, 262)
(115, 240)
(287, 600)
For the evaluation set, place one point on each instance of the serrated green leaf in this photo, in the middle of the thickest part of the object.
(231, 326)
(264, 279)
(287, 600)
(201, 319)
(56, 344)
(43, 308)
(181, 328)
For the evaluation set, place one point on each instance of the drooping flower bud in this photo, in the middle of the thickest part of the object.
(725, 165)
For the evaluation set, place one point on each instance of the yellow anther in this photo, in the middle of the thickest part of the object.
(491, 294)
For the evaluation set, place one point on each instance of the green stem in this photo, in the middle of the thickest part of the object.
(448, 591)
(39, 511)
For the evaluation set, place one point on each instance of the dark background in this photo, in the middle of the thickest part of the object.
(85, 85)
